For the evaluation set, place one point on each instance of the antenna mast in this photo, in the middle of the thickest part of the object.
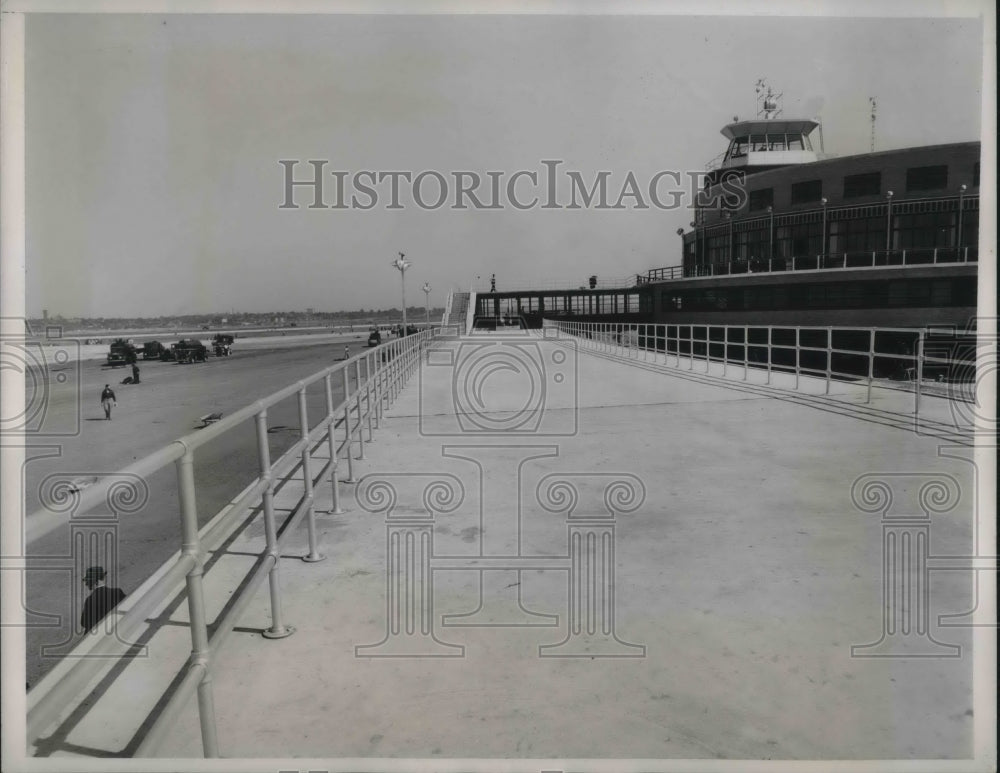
(768, 103)
(871, 101)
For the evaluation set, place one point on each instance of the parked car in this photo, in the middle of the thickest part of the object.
(121, 353)
(222, 344)
(151, 350)
(188, 351)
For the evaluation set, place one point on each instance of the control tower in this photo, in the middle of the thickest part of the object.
(766, 142)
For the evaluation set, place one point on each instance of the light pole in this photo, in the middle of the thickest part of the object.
(822, 248)
(697, 265)
(961, 206)
(729, 219)
(427, 302)
(402, 264)
(888, 223)
(770, 235)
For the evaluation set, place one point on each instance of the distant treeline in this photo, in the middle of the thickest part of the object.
(257, 319)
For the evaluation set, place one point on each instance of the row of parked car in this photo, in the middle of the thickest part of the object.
(124, 353)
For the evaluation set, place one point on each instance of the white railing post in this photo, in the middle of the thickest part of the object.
(746, 352)
(347, 426)
(770, 350)
(829, 358)
(368, 394)
(871, 364)
(798, 338)
(919, 374)
(357, 403)
(201, 654)
(331, 423)
(307, 481)
(278, 629)
(725, 348)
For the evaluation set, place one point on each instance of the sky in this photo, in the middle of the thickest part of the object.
(153, 142)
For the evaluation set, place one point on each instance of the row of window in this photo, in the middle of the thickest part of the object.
(918, 179)
(923, 230)
(827, 295)
(758, 143)
(583, 303)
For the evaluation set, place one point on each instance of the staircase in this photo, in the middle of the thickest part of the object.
(457, 311)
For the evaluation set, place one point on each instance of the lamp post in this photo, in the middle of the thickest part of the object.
(697, 265)
(961, 205)
(680, 233)
(402, 264)
(822, 247)
(729, 217)
(888, 223)
(427, 302)
(770, 235)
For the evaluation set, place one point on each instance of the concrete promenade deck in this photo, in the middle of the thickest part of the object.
(742, 571)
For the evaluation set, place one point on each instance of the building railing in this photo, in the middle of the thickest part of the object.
(377, 377)
(445, 318)
(832, 261)
(901, 357)
(611, 283)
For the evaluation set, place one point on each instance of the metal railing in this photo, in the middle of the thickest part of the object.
(470, 313)
(612, 283)
(378, 375)
(884, 357)
(447, 308)
(830, 262)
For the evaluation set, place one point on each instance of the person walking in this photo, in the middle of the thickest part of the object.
(101, 600)
(108, 401)
(135, 373)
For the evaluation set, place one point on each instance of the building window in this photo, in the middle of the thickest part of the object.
(809, 190)
(924, 231)
(761, 199)
(858, 235)
(927, 178)
(867, 184)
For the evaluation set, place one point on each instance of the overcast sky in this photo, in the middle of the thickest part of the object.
(153, 142)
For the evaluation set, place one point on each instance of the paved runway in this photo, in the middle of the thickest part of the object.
(163, 407)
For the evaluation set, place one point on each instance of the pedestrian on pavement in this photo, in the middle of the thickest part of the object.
(101, 600)
(108, 401)
(135, 373)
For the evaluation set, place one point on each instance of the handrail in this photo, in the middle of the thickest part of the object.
(470, 312)
(754, 347)
(387, 368)
(839, 261)
(447, 308)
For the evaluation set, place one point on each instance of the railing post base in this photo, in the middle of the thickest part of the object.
(314, 558)
(283, 633)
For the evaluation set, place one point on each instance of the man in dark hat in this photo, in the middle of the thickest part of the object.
(101, 600)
